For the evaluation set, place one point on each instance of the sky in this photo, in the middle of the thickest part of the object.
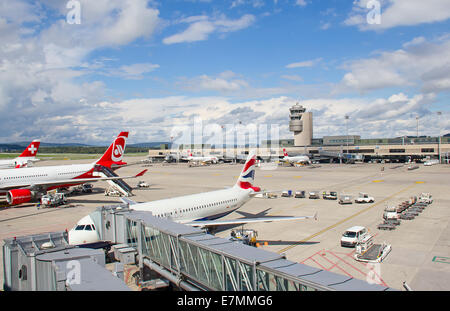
(82, 71)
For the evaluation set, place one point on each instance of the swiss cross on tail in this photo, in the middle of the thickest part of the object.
(285, 153)
(31, 150)
(113, 156)
(247, 177)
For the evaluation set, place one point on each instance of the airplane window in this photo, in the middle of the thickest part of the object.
(79, 227)
(88, 227)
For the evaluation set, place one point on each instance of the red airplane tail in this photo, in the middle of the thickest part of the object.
(113, 156)
(31, 150)
(285, 153)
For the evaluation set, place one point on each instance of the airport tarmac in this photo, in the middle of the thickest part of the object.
(420, 253)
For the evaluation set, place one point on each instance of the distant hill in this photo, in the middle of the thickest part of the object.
(149, 145)
(76, 147)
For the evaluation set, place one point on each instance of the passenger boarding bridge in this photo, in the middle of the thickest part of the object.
(195, 260)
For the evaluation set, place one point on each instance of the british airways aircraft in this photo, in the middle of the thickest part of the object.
(197, 210)
(28, 156)
(29, 183)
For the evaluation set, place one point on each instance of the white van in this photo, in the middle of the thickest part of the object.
(352, 235)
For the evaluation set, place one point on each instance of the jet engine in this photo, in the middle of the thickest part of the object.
(18, 196)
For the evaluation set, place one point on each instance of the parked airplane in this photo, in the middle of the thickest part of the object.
(208, 159)
(27, 184)
(197, 210)
(27, 157)
(300, 159)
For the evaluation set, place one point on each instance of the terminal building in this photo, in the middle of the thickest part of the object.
(397, 149)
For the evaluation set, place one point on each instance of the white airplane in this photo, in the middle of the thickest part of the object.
(27, 157)
(197, 210)
(29, 183)
(300, 159)
(208, 159)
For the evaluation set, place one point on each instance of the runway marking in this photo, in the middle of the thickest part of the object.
(420, 182)
(339, 260)
(342, 221)
(268, 175)
(377, 180)
(297, 176)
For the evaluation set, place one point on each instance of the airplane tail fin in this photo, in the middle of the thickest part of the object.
(247, 177)
(189, 153)
(31, 150)
(113, 156)
(285, 153)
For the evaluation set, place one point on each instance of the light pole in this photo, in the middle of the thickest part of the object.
(439, 140)
(346, 126)
(417, 119)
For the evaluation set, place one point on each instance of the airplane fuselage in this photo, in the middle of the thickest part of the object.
(202, 206)
(296, 159)
(10, 178)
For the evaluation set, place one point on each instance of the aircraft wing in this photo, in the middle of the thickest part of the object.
(51, 183)
(209, 223)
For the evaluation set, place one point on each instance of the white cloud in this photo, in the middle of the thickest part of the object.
(200, 28)
(42, 59)
(225, 82)
(396, 13)
(300, 2)
(134, 71)
(308, 63)
(419, 63)
(292, 78)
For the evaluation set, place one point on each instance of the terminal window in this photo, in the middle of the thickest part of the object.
(427, 150)
(397, 150)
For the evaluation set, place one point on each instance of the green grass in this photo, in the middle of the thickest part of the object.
(68, 156)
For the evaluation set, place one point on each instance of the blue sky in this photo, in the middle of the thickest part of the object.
(146, 66)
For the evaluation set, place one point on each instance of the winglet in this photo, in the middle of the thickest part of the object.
(141, 173)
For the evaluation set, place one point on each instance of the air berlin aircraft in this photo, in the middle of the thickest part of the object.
(28, 156)
(29, 183)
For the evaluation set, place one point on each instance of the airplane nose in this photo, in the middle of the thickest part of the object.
(75, 237)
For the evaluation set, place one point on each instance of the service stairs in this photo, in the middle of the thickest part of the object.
(118, 184)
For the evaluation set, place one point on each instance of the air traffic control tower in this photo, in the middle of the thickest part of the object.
(301, 124)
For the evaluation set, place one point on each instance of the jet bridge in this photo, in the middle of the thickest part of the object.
(188, 257)
(46, 262)
(196, 260)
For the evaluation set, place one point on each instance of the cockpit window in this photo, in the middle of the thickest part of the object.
(88, 227)
(80, 227)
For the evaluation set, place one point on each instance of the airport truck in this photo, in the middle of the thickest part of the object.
(286, 193)
(299, 194)
(345, 199)
(244, 236)
(332, 195)
(353, 235)
(364, 198)
(314, 195)
(52, 200)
